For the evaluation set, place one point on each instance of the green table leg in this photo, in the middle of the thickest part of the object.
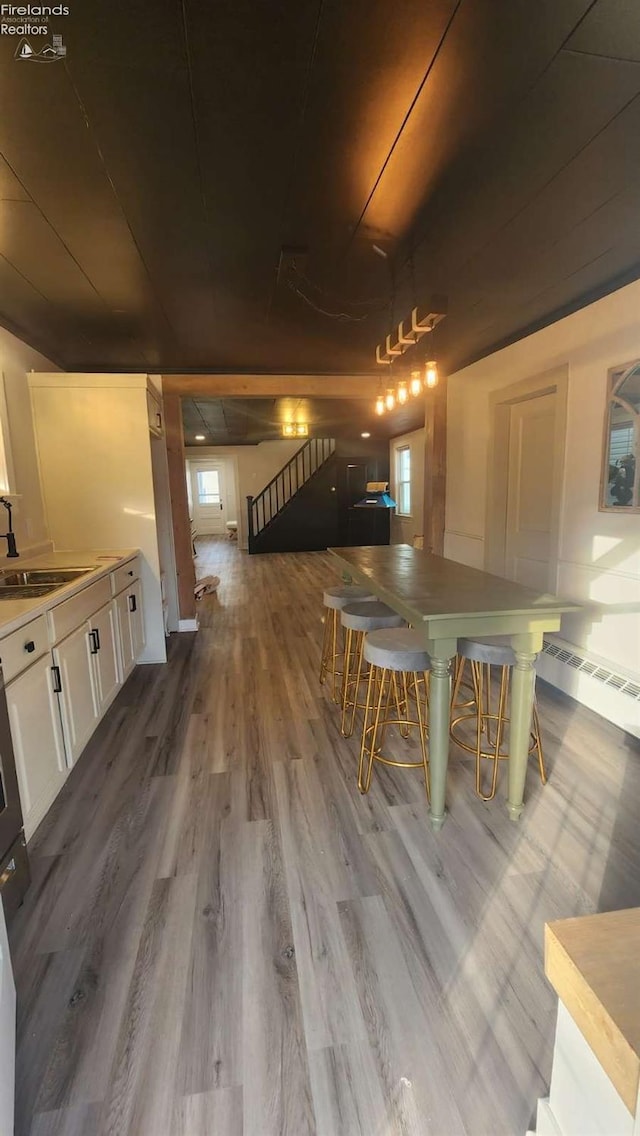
(522, 693)
(439, 703)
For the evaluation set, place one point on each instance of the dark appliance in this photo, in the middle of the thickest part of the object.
(369, 518)
(14, 864)
(377, 496)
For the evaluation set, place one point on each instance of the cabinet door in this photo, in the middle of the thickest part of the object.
(37, 740)
(136, 618)
(154, 415)
(127, 660)
(78, 696)
(103, 635)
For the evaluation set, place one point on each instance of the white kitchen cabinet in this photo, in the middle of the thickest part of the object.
(90, 675)
(154, 414)
(37, 740)
(128, 605)
(103, 635)
(79, 704)
(136, 618)
(95, 436)
(127, 657)
(63, 669)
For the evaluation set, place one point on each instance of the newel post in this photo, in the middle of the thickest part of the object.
(250, 532)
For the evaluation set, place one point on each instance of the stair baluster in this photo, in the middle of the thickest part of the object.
(263, 509)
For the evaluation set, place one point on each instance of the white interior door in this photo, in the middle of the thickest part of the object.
(209, 497)
(530, 494)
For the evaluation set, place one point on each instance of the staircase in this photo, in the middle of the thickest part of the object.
(275, 504)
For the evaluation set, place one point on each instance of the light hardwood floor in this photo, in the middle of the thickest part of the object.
(224, 937)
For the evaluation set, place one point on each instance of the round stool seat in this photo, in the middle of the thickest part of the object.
(496, 650)
(343, 594)
(487, 709)
(370, 616)
(396, 649)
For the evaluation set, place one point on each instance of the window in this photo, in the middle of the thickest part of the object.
(208, 487)
(403, 481)
(620, 473)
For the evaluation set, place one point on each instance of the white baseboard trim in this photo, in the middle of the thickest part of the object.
(188, 624)
(546, 1123)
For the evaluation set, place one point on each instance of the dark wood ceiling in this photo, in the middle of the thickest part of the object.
(149, 182)
(247, 421)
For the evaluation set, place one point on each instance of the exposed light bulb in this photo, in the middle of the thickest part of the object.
(415, 386)
(390, 398)
(199, 437)
(431, 373)
(379, 405)
(403, 393)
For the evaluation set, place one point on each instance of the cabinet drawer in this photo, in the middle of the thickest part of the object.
(23, 647)
(66, 616)
(125, 575)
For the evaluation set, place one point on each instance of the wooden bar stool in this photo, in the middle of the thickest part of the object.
(357, 619)
(396, 658)
(491, 719)
(334, 599)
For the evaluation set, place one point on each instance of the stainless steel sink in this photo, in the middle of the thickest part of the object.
(10, 578)
(29, 583)
(26, 591)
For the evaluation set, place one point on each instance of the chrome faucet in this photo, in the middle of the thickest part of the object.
(10, 536)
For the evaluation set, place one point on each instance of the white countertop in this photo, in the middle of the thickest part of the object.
(16, 612)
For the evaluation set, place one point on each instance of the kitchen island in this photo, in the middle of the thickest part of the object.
(593, 963)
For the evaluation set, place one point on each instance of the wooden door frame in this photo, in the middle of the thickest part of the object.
(554, 381)
(177, 387)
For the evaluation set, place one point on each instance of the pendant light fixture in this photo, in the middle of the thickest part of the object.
(431, 374)
(422, 322)
(415, 384)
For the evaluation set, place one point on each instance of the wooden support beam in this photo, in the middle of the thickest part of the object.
(179, 504)
(435, 467)
(271, 386)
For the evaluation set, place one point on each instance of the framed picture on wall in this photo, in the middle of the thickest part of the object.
(620, 480)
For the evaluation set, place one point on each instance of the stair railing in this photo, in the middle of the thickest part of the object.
(271, 500)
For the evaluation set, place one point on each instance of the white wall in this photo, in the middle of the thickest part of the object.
(254, 467)
(404, 529)
(599, 554)
(29, 521)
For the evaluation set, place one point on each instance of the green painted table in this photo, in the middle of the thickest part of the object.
(447, 601)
